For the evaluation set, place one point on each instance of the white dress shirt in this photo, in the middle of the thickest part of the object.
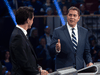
(24, 31)
(70, 33)
(75, 30)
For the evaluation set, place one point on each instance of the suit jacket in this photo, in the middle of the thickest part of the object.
(22, 54)
(68, 57)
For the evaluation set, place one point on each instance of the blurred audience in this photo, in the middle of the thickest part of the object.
(80, 1)
(83, 11)
(94, 48)
(33, 37)
(42, 52)
(97, 12)
(36, 5)
(40, 7)
(97, 58)
(64, 3)
(3, 9)
(47, 35)
(64, 10)
(3, 69)
(48, 4)
(73, 2)
(49, 11)
(6, 62)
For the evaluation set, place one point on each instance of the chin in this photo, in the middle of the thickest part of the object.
(72, 24)
(29, 27)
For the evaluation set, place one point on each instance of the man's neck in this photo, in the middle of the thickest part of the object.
(24, 26)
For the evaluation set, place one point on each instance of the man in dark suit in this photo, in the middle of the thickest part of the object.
(70, 43)
(22, 54)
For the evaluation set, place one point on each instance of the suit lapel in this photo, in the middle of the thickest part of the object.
(79, 36)
(28, 42)
(68, 36)
(31, 48)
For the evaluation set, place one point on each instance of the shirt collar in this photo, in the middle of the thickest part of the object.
(69, 27)
(24, 31)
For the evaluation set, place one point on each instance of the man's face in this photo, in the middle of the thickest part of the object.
(30, 22)
(43, 42)
(47, 30)
(82, 8)
(48, 1)
(35, 33)
(73, 17)
(7, 55)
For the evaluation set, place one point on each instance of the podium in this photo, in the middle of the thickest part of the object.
(65, 71)
(91, 70)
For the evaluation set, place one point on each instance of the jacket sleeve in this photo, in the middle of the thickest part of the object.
(87, 54)
(54, 40)
(18, 49)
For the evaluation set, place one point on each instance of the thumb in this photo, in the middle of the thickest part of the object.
(58, 40)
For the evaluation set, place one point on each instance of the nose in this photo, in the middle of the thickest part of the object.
(72, 16)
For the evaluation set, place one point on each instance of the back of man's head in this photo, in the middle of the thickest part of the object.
(23, 13)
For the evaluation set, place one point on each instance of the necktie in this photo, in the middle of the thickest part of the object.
(26, 36)
(74, 39)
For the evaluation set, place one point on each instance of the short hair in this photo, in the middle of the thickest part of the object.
(49, 9)
(23, 13)
(74, 8)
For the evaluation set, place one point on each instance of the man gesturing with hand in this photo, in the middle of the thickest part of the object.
(58, 46)
(70, 43)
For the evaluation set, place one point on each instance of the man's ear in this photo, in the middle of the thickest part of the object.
(27, 20)
(79, 18)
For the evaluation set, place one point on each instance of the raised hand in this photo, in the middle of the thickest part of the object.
(58, 46)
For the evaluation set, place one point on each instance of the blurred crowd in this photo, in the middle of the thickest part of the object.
(47, 7)
(41, 43)
(41, 46)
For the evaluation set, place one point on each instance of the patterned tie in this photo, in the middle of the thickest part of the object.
(74, 39)
(26, 36)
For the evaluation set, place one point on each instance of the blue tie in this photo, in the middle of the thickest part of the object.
(74, 42)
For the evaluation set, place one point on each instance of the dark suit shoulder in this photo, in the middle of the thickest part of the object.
(16, 36)
(83, 29)
(16, 31)
(60, 28)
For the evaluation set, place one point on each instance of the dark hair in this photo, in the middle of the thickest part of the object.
(74, 8)
(23, 13)
(42, 37)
